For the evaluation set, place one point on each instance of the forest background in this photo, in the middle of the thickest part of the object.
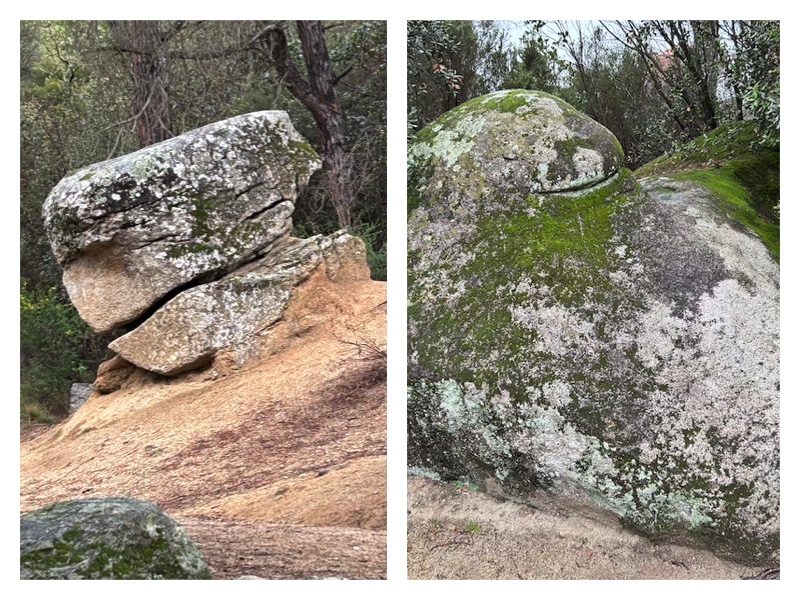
(95, 90)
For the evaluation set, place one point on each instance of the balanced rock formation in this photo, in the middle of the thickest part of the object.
(572, 330)
(130, 230)
(190, 239)
(106, 538)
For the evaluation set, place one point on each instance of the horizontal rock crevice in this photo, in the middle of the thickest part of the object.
(187, 243)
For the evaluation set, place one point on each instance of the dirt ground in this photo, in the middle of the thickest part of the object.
(276, 469)
(456, 533)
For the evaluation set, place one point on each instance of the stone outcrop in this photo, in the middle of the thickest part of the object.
(514, 141)
(231, 313)
(130, 230)
(106, 538)
(616, 343)
(190, 239)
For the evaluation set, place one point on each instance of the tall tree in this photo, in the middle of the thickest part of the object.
(537, 63)
(319, 95)
(145, 42)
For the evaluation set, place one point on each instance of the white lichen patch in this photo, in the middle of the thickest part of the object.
(559, 328)
(449, 145)
(557, 393)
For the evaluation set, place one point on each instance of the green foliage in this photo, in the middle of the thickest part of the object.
(432, 83)
(537, 64)
(54, 346)
(473, 528)
(376, 255)
(461, 486)
(754, 68)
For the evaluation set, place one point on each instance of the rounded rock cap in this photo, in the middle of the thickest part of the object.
(516, 141)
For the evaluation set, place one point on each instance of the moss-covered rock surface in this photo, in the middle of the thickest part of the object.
(106, 538)
(617, 343)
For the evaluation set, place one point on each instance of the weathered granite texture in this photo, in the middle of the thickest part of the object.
(106, 538)
(231, 313)
(617, 343)
(190, 240)
(130, 230)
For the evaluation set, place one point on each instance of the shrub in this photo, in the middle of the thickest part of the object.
(376, 258)
(53, 339)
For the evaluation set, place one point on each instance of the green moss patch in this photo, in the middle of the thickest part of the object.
(737, 202)
(732, 152)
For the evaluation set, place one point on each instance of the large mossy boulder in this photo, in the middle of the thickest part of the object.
(130, 230)
(612, 342)
(106, 538)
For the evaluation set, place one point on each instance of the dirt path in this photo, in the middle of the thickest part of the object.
(455, 533)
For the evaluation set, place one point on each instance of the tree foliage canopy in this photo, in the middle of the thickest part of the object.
(653, 83)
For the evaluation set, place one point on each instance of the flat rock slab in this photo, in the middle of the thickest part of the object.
(129, 230)
(106, 538)
(248, 550)
(231, 313)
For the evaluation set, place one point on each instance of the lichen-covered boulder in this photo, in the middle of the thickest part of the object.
(129, 230)
(230, 314)
(617, 344)
(106, 538)
(512, 141)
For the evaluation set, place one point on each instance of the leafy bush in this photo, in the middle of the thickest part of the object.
(54, 344)
(376, 258)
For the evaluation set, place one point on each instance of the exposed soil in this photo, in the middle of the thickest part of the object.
(456, 533)
(277, 469)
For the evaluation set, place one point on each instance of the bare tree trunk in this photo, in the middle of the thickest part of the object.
(320, 97)
(145, 42)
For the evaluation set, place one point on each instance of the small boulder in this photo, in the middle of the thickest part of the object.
(112, 374)
(106, 538)
(78, 395)
(129, 230)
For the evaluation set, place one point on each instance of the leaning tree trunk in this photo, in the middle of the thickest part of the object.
(144, 42)
(320, 97)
